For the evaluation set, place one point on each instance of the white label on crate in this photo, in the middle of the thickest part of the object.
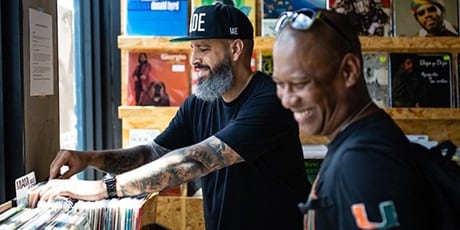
(23, 184)
(142, 136)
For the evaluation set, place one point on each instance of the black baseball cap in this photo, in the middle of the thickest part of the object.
(218, 21)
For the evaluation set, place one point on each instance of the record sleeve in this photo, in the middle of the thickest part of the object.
(421, 80)
(406, 23)
(375, 70)
(158, 78)
(157, 17)
(371, 17)
(457, 97)
(266, 62)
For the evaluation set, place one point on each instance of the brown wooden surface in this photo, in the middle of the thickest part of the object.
(180, 213)
(377, 44)
(439, 123)
(5, 206)
(144, 117)
(149, 209)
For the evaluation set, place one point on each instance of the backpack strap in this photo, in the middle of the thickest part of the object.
(447, 149)
(315, 204)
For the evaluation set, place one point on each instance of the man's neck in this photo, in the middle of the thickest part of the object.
(241, 82)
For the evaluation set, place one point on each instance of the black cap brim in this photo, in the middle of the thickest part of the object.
(190, 38)
(183, 39)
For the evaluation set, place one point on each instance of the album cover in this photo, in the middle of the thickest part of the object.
(248, 7)
(157, 17)
(439, 18)
(375, 70)
(371, 17)
(266, 62)
(271, 9)
(158, 78)
(421, 80)
(458, 82)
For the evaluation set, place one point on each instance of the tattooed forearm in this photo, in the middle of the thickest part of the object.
(177, 167)
(148, 180)
(215, 155)
(119, 161)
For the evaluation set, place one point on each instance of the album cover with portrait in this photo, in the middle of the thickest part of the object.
(158, 78)
(159, 18)
(371, 17)
(426, 18)
(248, 7)
(375, 69)
(421, 80)
(271, 9)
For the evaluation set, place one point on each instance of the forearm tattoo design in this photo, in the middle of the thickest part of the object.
(180, 166)
(123, 160)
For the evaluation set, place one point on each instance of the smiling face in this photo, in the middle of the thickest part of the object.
(430, 17)
(213, 64)
(309, 83)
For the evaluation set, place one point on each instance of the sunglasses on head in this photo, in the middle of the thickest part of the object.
(430, 9)
(303, 19)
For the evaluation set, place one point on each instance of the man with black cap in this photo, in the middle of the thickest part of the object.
(233, 133)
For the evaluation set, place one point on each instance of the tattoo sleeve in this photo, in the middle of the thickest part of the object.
(177, 167)
(123, 160)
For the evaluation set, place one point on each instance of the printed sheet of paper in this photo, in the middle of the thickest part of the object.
(41, 53)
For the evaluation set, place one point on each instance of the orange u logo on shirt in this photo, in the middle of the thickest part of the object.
(387, 212)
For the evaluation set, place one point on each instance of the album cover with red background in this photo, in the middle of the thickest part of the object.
(158, 78)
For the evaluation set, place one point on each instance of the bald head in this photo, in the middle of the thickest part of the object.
(333, 32)
(318, 72)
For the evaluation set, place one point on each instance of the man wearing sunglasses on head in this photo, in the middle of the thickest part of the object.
(366, 180)
(430, 16)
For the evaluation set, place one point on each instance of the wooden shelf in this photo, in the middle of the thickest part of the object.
(439, 123)
(424, 113)
(264, 44)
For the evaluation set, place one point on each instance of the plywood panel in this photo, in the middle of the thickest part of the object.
(180, 213)
(41, 113)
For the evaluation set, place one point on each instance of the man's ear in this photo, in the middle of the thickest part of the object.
(236, 47)
(351, 69)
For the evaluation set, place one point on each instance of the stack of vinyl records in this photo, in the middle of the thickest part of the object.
(38, 218)
(66, 213)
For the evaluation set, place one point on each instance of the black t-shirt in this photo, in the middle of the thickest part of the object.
(367, 177)
(262, 192)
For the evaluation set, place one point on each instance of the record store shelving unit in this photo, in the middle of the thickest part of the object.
(439, 123)
(185, 212)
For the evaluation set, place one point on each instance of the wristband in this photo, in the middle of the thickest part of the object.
(111, 185)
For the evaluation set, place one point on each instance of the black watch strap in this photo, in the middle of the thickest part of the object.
(111, 185)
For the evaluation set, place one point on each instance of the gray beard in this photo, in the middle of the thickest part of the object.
(219, 82)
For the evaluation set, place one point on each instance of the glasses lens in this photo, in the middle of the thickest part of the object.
(431, 9)
(300, 20)
(303, 19)
(421, 13)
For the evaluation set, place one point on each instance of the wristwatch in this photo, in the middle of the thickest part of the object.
(111, 185)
